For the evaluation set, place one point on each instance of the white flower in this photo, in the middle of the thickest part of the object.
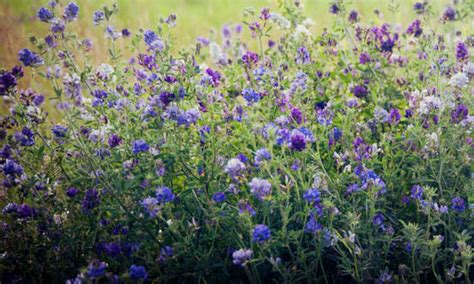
(459, 80)
(216, 52)
(301, 33)
(468, 68)
(428, 104)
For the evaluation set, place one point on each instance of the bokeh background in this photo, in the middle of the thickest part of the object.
(195, 18)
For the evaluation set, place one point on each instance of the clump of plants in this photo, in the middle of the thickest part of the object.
(269, 153)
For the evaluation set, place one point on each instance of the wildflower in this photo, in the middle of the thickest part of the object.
(378, 220)
(153, 41)
(140, 146)
(7, 82)
(261, 188)
(353, 16)
(334, 9)
(44, 15)
(449, 14)
(459, 80)
(241, 256)
(72, 192)
(462, 52)
(71, 11)
(459, 113)
(415, 28)
(234, 168)
(297, 115)
(313, 226)
(150, 204)
(297, 141)
(251, 96)
(360, 91)
(364, 58)
(165, 253)
(96, 269)
(57, 25)
(419, 7)
(417, 192)
(219, 197)
(29, 58)
(59, 131)
(303, 56)
(245, 207)
(262, 155)
(394, 116)
(312, 195)
(164, 194)
(25, 137)
(99, 16)
(261, 233)
(137, 272)
(458, 204)
(250, 59)
(90, 201)
(114, 140)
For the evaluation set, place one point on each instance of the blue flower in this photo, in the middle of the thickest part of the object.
(150, 204)
(164, 194)
(261, 233)
(241, 256)
(44, 14)
(90, 201)
(313, 226)
(59, 131)
(137, 272)
(96, 269)
(312, 195)
(71, 11)
(458, 204)
(251, 96)
(262, 155)
(99, 16)
(417, 192)
(297, 141)
(219, 197)
(378, 220)
(165, 254)
(140, 146)
(29, 58)
(234, 168)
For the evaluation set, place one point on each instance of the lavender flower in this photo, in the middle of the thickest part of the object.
(297, 141)
(261, 188)
(417, 192)
(137, 272)
(241, 256)
(90, 201)
(219, 197)
(96, 269)
(71, 11)
(234, 168)
(262, 155)
(462, 52)
(312, 195)
(164, 194)
(150, 204)
(458, 204)
(44, 15)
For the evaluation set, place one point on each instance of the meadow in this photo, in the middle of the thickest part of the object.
(236, 141)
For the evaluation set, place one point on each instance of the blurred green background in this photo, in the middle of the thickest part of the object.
(195, 18)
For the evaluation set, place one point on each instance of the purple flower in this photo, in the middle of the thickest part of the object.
(394, 116)
(241, 256)
(313, 226)
(96, 269)
(351, 189)
(71, 11)
(334, 9)
(11, 168)
(250, 58)
(458, 204)
(25, 137)
(261, 233)
(419, 7)
(360, 91)
(44, 14)
(214, 77)
(312, 195)
(297, 115)
(449, 14)
(302, 56)
(38, 100)
(150, 204)
(415, 28)
(244, 206)
(99, 16)
(140, 146)
(219, 197)
(137, 272)
(364, 57)
(10, 208)
(7, 82)
(297, 141)
(72, 192)
(90, 201)
(57, 26)
(353, 16)
(234, 168)
(462, 52)
(114, 140)
(261, 188)
(417, 192)
(59, 131)
(262, 155)
(378, 220)
(165, 253)
(164, 194)
(459, 113)
(152, 40)
(251, 96)
(29, 58)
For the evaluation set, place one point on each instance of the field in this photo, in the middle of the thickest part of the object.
(219, 141)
